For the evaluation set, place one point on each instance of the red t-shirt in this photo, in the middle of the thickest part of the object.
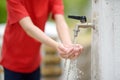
(20, 53)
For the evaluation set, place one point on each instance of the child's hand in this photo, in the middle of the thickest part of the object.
(76, 50)
(63, 51)
(69, 51)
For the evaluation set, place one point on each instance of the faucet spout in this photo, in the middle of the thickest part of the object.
(86, 25)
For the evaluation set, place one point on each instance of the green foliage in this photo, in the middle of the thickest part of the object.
(3, 13)
(76, 7)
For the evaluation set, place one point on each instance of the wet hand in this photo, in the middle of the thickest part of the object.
(70, 51)
(75, 52)
(64, 51)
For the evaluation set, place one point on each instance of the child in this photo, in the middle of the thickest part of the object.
(24, 35)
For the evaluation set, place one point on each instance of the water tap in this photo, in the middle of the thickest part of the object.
(83, 24)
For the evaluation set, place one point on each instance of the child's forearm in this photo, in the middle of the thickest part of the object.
(63, 29)
(36, 33)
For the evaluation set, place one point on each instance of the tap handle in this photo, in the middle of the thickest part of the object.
(82, 19)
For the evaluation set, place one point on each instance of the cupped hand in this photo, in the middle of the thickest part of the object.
(69, 51)
(76, 50)
(64, 51)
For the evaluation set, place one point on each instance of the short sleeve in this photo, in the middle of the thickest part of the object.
(16, 11)
(57, 7)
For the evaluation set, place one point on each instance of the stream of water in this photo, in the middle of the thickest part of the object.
(71, 69)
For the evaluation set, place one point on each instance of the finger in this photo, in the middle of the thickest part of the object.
(72, 56)
(71, 53)
(67, 53)
(75, 57)
(62, 48)
(80, 50)
(77, 50)
(64, 56)
(81, 47)
(62, 53)
(69, 50)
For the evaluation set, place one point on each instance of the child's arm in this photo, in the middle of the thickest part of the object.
(39, 35)
(64, 35)
(63, 29)
(36, 33)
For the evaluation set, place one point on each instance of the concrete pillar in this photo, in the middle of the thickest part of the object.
(106, 40)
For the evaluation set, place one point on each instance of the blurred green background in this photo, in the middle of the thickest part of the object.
(72, 7)
(3, 13)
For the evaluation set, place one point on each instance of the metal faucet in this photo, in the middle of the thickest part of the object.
(83, 24)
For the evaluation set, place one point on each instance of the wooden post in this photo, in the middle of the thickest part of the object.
(105, 53)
